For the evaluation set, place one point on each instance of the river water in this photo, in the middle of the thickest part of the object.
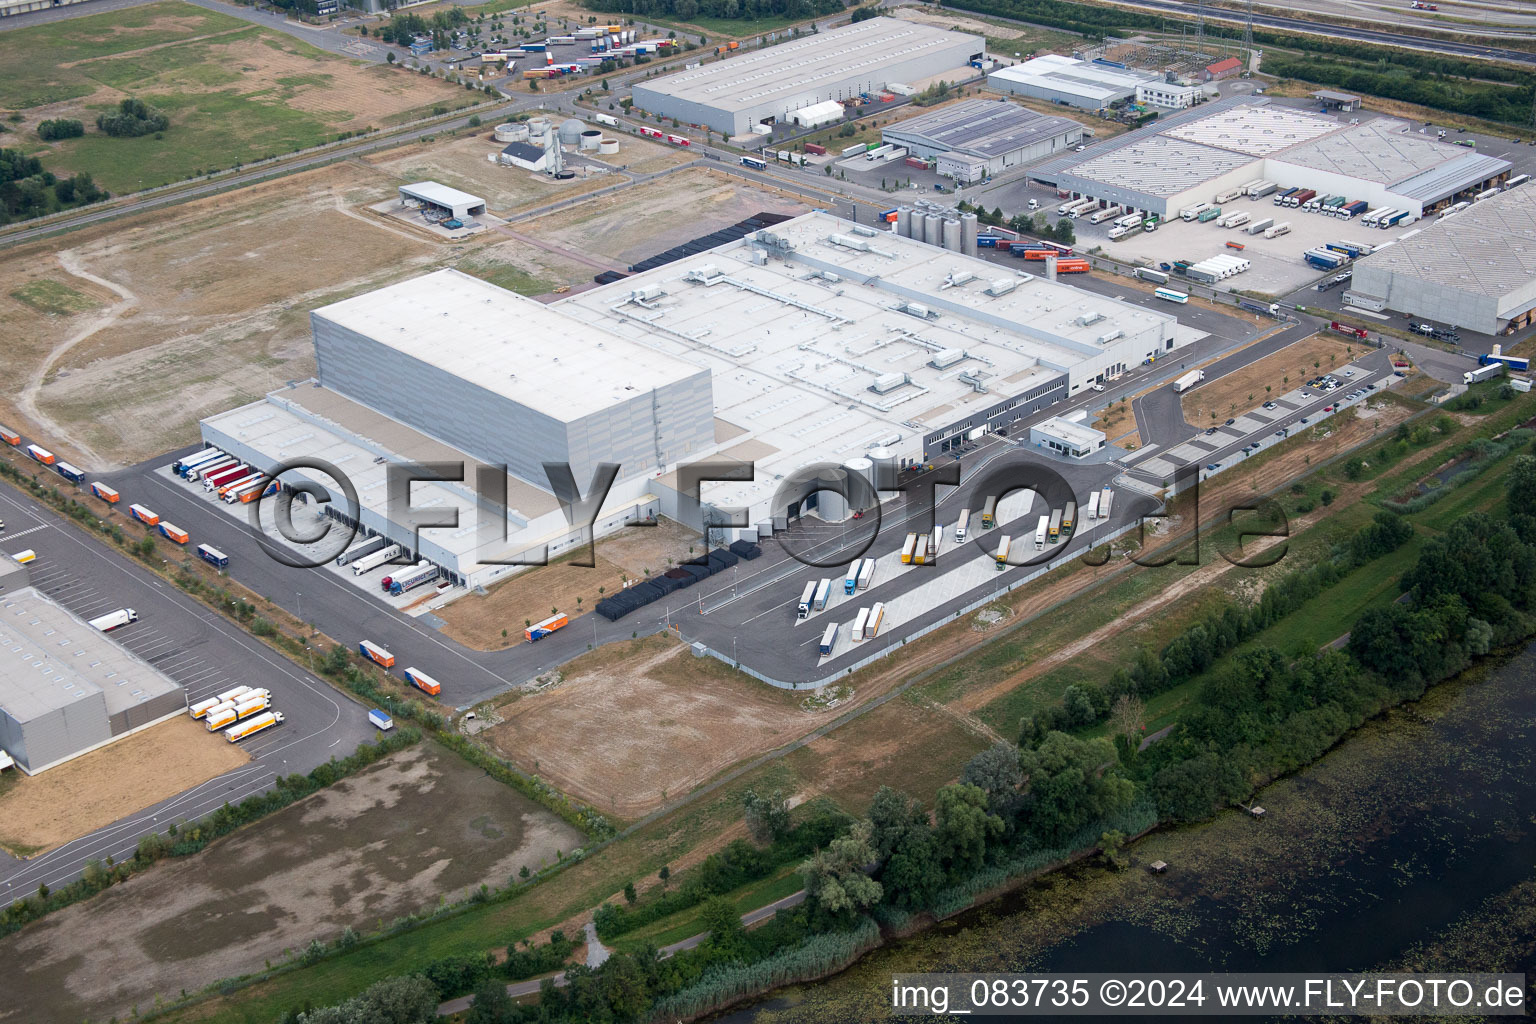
(1410, 846)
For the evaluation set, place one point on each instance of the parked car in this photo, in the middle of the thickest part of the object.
(1230, 422)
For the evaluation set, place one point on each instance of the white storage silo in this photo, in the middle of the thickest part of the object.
(570, 131)
(904, 221)
(590, 139)
(608, 147)
(968, 234)
(952, 233)
(885, 468)
(861, 482)
(933, 229)
(511, 132)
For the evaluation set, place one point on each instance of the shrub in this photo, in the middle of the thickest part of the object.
(132, 119)
(60, 128)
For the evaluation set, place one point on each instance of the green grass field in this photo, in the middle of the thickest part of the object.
(235, 92)
(685, 923)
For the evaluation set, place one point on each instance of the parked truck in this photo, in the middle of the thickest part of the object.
(1042, 527)
(70, 473)
(1235, 220)
(867, 574)
(1226, 197)
(1260, 191)
(1004, 545)
(1188, 381)
(1106, 499)
(114, 620)
(1103, 215)
(1277, 230)
(1356, 208)
(851, 580)
(252, 726)
(368, 563)
(1482, 373)
(412, 578)
(172, 532)
(379, 720)
(358, 550)
(179, 464)
(539, 630)
(1209, 214)
(1191, 212)
(213, 556)
(41, 454)
(829, 639)
(1259, 226)
(1266, 308)
(10, 436)
(423, 682)
(1325, 259)
(808, 595)
(374, 653)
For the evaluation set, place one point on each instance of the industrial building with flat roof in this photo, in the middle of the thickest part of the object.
(1077, 83)
(1188, 157)
(1474, 269)
(770, 84)
(1066, 437)
(814, 341)
(442, 200)
(998, 134)
(66, 688)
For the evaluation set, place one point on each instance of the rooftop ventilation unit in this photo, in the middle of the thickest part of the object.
(946, 357)
(858, 244)
(707, 274)
(860, 229)
(648, 293)
(829, 276)
(888, 382)
(974, 380)
(1105, 339)
(916, 309)
(759, 258)
(957, 278)
(1002, 286)
(1084, 319)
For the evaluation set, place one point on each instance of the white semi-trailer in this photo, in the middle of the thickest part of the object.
(113, 620)
(1189, 380)
(368, 563)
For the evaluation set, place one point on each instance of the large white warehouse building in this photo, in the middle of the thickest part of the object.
(809, 343)
(1475, 269)
(770, 84)
(1189, 157)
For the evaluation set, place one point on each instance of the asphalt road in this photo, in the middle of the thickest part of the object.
(1446, 46)
(193, 646)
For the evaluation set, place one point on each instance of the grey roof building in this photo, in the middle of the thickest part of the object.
(1190, 156)
(1077, 83)
(766, 85)
(1001, 134)
(1475, 269)
(65, 688)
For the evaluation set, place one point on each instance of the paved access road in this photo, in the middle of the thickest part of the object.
(192, 645)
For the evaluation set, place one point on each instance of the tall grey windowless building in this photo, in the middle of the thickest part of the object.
(510, 381)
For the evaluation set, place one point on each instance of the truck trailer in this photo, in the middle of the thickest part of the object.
(423, 682)
(1282, 228)
(851, 580)
(10, 436)
(539, 630)
(413, 578)
(822, 595)
(374, 653)
(1004, 543)
(172, 532)
(114, 620)
(380, 721)
(829, 639)
(358, 550)
(1482, 373)
(180, 464)
(252, 726)
(867, 574)
(41, 454)
(808, 595)
(368, 563)
(1042, 527)
(213, 556)
(1188, 381)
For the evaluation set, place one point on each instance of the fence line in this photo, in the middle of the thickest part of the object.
(812, 684)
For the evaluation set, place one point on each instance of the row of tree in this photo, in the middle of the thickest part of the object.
(26, 190)
(728, 10)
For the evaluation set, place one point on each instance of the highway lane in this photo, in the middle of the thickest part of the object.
(194, 646)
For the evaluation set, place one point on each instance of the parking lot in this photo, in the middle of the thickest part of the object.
(195, 647)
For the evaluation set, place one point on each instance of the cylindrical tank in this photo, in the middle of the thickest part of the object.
(968, 234)
(933, 230)
(570, 131)
(884, 462)
(511, 132)
(904, 221)
(590, 140)
(538, 128)
(608, 147)
(861, 483)
(830, 505)
(952, 233)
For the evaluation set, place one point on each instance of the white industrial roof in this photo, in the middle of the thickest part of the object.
(1079, 77)
(1487, 249)
(754, 77)
(799, 348)
(50, 659)
(516, 347)
(1074, 434)
(442, 195)
(983, 128)
(1254, 130)
(1387, 152)
(1159, 166)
